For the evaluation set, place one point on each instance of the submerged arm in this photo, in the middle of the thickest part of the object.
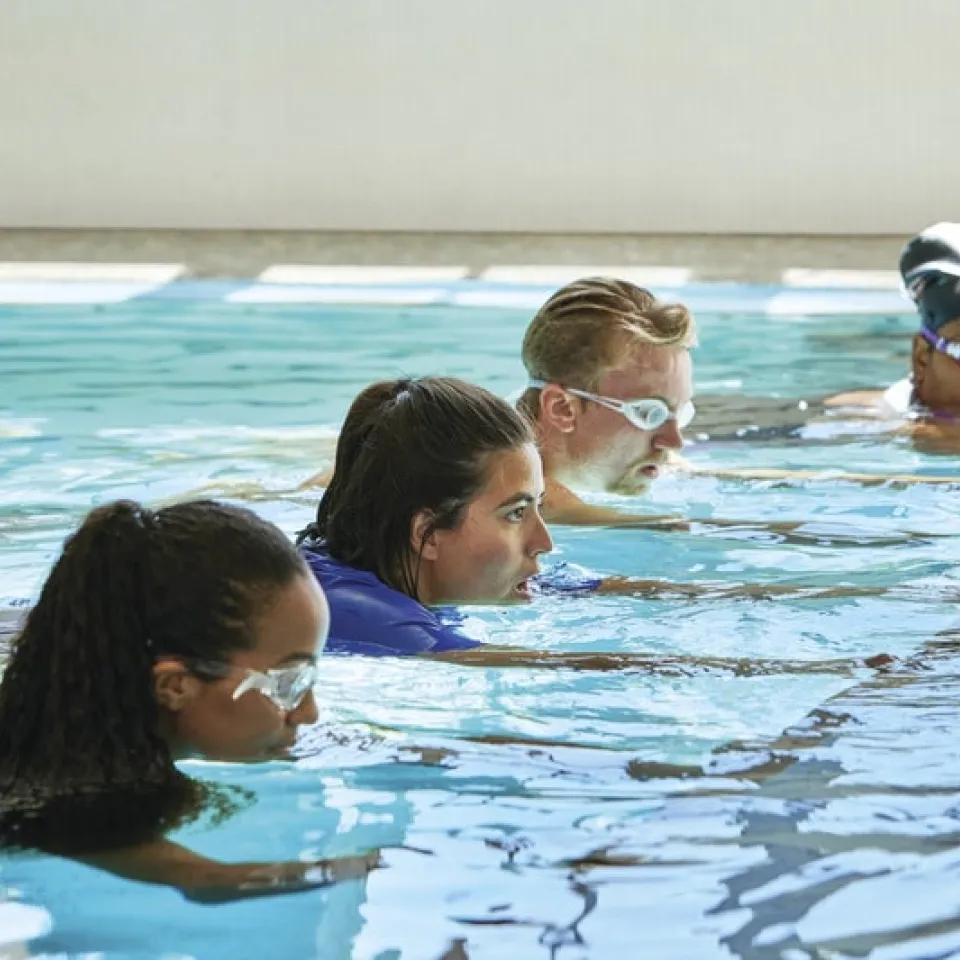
(571, 511)
(870, 400)
(864, 479)
(627, 586)
(574, 512)
(489, 655)
(201, 879)
(317, 480)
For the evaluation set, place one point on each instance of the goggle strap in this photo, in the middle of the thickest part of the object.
(251, 683)
(952, 350)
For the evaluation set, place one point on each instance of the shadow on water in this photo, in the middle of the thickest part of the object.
(857, 814)
(837, 839)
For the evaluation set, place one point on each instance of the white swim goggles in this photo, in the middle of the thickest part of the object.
(285, 687)
(950, 347)
(646, 413)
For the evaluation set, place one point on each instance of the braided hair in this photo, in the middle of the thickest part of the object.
(84, 763)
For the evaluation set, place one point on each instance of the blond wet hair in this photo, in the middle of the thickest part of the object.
(587, 327)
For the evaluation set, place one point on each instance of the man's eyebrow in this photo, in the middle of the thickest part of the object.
(517, 498)
(298, 658)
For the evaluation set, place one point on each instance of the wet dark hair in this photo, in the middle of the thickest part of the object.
(407, 446)
(84, 764)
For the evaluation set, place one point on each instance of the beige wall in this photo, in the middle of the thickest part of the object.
(790, 116)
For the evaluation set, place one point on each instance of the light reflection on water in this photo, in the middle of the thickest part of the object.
(556, 850)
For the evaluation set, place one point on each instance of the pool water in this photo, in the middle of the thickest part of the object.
(559, 851)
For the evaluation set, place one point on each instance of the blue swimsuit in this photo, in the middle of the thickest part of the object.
(368, 617)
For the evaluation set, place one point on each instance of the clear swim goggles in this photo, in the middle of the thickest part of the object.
(285, 687)
(646, 413)
(950, 347)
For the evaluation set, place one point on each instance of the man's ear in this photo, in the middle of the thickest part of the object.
(423, 535)
(920, 356)
(557, 408)
(173, 684)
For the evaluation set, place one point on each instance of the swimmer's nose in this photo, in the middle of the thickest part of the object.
(305, 714)
(540, 539)
(668, 437)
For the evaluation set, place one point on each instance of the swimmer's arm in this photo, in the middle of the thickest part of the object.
(580, 514)
(590, 515)
(570, 510)
(856, 398)
(204, 880)
(489, 655)
(627, 586)
(864, 479)
(247, 489)
(787, 531)
(317, 480)
(563, 507)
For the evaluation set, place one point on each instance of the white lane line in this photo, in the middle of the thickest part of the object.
(56, 272)
(399, 296)
(842, 279)
(78, 293)
(518, 299)
(558, 275)
(349, 274)
(798, 303)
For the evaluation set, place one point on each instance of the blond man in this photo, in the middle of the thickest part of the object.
(610, 391)
(610, 387)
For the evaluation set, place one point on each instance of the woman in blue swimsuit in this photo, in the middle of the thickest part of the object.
(434, 502)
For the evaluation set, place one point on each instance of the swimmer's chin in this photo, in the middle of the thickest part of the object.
(631, 488)
(636, 481)
(519, 593)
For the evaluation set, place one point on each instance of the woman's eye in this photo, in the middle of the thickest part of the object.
(516, 515)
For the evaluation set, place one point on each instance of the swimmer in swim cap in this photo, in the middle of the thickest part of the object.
(926, 405)
(930, 270)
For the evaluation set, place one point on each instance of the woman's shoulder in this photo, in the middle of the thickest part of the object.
(367, 616)
(361, 595)
(333, 574)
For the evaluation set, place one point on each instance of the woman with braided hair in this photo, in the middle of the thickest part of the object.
(189, 632)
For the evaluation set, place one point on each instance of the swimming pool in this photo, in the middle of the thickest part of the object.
(846, 854)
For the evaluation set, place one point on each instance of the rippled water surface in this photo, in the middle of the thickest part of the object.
(845, 848)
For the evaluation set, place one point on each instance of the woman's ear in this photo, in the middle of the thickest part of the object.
(557, 409)
(423, 535)
(173, 685)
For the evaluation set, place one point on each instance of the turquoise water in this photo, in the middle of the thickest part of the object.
(153, 398)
